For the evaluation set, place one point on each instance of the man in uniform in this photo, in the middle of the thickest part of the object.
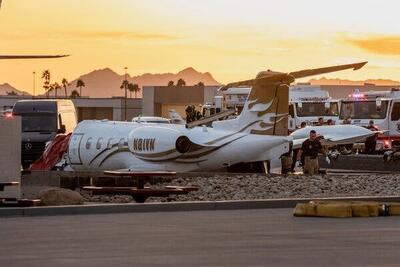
(310, 148)
(370, 143)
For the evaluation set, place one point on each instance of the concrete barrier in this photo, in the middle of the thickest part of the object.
(174, 206)
(346, 209)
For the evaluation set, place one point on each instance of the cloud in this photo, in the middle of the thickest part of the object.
(121, 34)
(56, 34)
(383, 45)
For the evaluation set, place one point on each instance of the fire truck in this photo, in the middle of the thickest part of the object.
(382, 107)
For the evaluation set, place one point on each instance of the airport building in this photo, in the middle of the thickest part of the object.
(92, 108)
(158, 100)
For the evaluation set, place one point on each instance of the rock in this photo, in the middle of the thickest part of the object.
(60, 197)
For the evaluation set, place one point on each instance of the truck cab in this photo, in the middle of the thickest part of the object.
(308, 103)
(383, 107)
(42, 120)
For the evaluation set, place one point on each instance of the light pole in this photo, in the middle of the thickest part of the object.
(34, 83)
(125, 87)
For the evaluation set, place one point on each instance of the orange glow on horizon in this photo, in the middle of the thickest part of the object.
(231, 39)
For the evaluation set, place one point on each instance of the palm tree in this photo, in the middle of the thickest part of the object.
(171, 83)
(65, 83)
(80, 83)
(74, 94)
(130, 89)
(136, 89)
(50, 89)
(46, 84)
(125, 85)
(181, 82)
(133, 87)
(56, 86)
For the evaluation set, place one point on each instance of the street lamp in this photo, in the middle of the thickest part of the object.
(125, 87)
(34, 83)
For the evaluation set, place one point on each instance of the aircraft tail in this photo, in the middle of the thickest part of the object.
(267, 106)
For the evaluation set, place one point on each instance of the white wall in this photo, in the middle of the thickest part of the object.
(10, 155)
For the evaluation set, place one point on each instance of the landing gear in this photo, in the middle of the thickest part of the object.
(139, 199)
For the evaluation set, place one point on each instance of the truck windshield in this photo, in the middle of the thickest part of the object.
(39, 122)
(317, 109)
(363, 110)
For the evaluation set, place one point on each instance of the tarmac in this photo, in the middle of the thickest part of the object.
(246, 237)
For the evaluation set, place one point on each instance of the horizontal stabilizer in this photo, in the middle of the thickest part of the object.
(30, 56)
(311, 72)
(270, 76)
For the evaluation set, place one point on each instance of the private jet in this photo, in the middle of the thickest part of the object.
(259, 133)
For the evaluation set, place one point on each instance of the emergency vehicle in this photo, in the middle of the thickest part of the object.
(307, 103)
(383, 107)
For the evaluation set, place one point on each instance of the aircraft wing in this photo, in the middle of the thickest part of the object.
(298, 142)
(345, 139)
(30, 56)
(333, 135)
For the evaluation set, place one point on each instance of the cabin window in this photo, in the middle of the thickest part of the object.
(89, 143)
(99, 141)
(109, 143)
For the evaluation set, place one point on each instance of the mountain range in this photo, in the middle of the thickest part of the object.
(326, 81)
(6, 89)
(106, 82)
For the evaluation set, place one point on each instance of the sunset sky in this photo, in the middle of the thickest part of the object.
(231, 39)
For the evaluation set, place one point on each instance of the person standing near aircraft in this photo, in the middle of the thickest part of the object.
(370, 143)
(296, 151)
(310, 148)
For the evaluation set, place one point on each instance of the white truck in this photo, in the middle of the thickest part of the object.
(307, 103)
(383, 107)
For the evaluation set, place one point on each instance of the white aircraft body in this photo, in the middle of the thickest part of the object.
(259, 133)
(333, 135)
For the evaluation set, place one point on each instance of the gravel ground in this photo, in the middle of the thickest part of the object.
(255, 186)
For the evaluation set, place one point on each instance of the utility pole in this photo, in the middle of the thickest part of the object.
(34, 83)
(125, 85)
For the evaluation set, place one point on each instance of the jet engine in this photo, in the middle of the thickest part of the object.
(158, 143)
